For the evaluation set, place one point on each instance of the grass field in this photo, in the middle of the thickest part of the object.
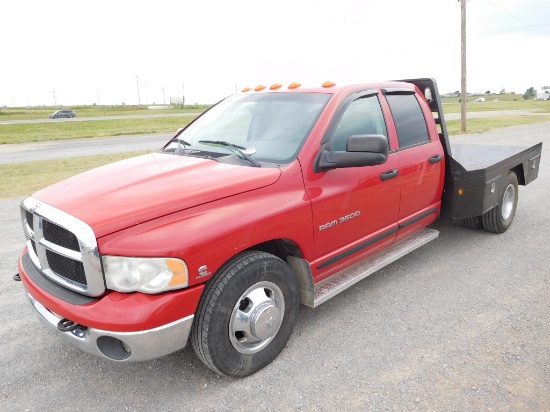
(32, 113)
(38, 132)
(453, 106)
(484, 125)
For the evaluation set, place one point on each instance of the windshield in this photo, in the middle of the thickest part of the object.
(268, 127)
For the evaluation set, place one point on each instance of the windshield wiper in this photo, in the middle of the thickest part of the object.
(236, 149)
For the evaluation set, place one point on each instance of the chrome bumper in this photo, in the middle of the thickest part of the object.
(121, 346)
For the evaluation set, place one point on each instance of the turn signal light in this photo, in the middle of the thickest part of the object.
(460, 191)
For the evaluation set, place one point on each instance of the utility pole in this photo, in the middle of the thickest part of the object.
(463, 93)
(137, 84)
(54, 98)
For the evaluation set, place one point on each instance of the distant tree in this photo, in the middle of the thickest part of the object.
(488, 92)
(503, 91)
(529, 93)
(457, 93)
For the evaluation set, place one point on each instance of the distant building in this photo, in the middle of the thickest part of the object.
(544, 94)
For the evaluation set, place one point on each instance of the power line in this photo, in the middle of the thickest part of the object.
(500, 31)
(518, 18)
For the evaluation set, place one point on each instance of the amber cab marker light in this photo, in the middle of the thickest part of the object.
(328, 83)
(460, 191)
(275, 86)
(246, 89)
(294, 85)
(259, 88)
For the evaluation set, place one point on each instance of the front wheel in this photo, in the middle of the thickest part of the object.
(499, 218)
(246, 315)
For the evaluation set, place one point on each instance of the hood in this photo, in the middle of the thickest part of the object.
(126, 193)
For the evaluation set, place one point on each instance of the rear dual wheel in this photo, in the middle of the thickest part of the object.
(499, 218)
(246, 315)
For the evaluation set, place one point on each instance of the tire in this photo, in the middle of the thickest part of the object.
(499, 218)
(246, 314)
(473, 223)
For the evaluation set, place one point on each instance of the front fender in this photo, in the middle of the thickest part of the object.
(210, 234)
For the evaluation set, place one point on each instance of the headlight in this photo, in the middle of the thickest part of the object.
(148, 275)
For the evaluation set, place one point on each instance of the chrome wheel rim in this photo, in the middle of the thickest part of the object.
(256, 317)
(508, 201)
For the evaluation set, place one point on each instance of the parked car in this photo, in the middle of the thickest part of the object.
(62, 113)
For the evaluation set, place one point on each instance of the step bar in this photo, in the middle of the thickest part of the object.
(313, 295)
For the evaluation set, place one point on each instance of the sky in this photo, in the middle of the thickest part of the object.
(106, 52)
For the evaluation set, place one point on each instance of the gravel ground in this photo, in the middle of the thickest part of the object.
(461, 324)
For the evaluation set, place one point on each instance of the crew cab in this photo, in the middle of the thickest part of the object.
(272, 198)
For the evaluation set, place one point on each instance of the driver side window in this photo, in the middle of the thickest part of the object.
(362, 116)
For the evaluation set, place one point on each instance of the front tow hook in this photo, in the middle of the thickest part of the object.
(66, 325)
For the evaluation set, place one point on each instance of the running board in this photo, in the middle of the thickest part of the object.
(340, 281)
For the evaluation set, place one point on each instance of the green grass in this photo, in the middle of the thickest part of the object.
(21, 179)
(38, 132)
(484, 125)
(22, 113)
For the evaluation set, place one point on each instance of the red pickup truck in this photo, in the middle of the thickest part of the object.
(273, 197)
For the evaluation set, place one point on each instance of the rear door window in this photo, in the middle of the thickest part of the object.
(409, 119)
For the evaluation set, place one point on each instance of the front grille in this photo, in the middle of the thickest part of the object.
(59, 236)
(69, 269)
(62, 247)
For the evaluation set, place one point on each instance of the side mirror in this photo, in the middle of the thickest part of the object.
(362, 150)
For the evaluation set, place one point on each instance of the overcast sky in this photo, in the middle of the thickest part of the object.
(90, 51)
